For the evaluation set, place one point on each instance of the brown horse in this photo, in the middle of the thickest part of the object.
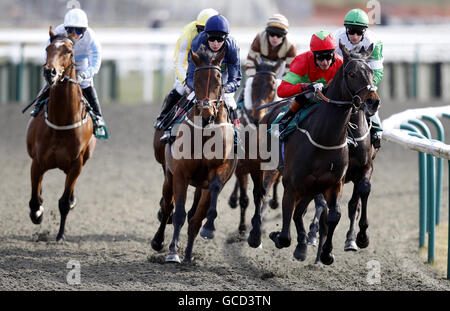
(359, 172)
(316, 155)
(264, 87)
(196, 167)
(61, 136)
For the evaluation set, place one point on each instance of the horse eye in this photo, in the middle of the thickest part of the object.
(352, 74)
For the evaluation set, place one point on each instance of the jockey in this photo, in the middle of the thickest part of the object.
(309, 71)
(180, 58)
(272, 44)
(215, 37)
(354, 35)
(88, 58)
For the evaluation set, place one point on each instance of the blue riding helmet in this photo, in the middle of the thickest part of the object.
(217, 23)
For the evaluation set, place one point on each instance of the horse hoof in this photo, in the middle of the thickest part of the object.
(232, 202)
(173, 257)
(300, 252)
(207, 234)
(279, 243)
(73, 203)
(36, 217)
(157, 246)
(187, 260)
(327, 259)
(362, 241)
(311, 241)
(60, 239)
(273, 204)
(350, 246)
(254, 242)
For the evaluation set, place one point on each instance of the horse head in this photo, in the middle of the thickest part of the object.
(207, 83)
(59, 58)
(264, 86)
(358, 79)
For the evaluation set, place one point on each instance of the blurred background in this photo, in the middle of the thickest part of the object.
(138, 38)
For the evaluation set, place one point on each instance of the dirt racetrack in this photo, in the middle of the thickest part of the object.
(109, 231)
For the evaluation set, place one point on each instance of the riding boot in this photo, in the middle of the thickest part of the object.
(171, 99)
(43, 94)
(91, 95)
(285, 120)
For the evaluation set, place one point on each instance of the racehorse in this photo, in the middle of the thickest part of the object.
(207, 174)
(263, 92)
(316, 156)
(61, 136)
(362, 155)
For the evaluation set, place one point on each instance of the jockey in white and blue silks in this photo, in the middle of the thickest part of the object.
(87, 53)
(215, 37)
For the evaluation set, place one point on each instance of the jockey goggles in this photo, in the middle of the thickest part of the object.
(355, 30)
(326, 55)
(274, 34)
(219, 37)
(77, 30)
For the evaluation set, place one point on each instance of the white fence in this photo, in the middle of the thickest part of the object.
(149, 50)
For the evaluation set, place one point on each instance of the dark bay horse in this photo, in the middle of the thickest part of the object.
(61, 136)
(197, 168)
(263, 92)
(316, 155)
(359, 172)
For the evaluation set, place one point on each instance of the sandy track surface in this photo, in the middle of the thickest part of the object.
(109, 232)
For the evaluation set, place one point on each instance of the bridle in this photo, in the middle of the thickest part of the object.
(65, 77)
(356, 101)
(206, 102)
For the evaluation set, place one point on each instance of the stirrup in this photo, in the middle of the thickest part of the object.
(165, 138)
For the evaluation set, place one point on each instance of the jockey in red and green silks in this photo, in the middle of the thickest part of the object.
(309, 70)
(354, 35)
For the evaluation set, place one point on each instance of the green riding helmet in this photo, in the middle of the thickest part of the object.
(356, 17)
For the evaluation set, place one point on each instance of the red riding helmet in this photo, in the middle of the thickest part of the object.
(322, 40)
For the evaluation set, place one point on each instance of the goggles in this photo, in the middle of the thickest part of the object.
(216, 37)
(77, 30)
(274, 34)
(323, 56)
(357, 31)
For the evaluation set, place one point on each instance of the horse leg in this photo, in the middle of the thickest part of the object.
(215, 186)
(166, 212)
(36, 209)
(196, 221)
(254, 238)
(232, 201)
(350, 244)
(332, 198)
(269, 179)
(65, 200)
(243, 201)
(197, 196)
(283, 238)
(180, 186)
(323, 232)
(160, 213)
(301, 249)
(273, 203)
(362, 239)
(320, 204)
